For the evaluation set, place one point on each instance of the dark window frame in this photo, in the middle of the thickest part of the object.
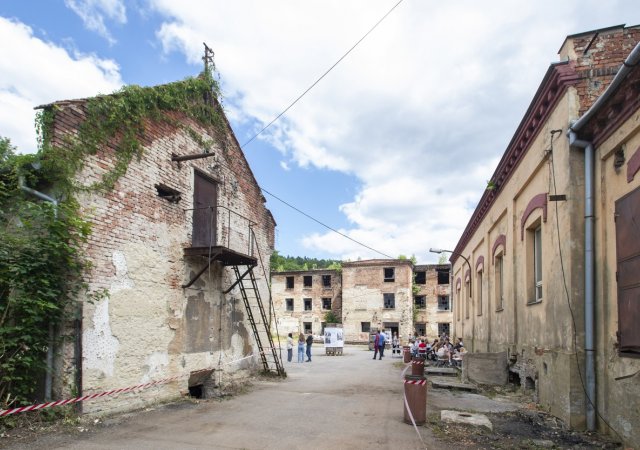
(324, 300)
(389, 298)
(326, 281)
(365, 327)
(420, 305)
(307, 281)
(389, 274)
(308, 304)
(289, 304)
(290, 282)
(420, 277)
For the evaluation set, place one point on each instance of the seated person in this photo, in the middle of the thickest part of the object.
(422, 348)
(414, 348)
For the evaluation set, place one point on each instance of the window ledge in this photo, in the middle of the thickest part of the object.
(535, 302)
(444, 310)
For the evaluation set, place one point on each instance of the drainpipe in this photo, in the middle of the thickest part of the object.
(589, 304)
(589, 280)
(48, 382)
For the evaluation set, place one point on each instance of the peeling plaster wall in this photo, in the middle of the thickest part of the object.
(149, 328)
(433, 315)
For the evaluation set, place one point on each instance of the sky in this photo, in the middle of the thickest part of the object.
(393, 147)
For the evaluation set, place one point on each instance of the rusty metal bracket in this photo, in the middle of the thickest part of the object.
(196, 276)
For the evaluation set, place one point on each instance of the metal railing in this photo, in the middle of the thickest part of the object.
(232, 231)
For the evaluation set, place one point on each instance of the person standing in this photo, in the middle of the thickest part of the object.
(301, 348)
(381, 342)
(289, 347)
(395, 344)
(375, 344)
(309, 342)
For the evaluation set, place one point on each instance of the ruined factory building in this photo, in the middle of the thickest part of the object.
(552, 269)
(180, 241)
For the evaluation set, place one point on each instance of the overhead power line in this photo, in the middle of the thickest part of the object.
(322, 76)
(325, 225)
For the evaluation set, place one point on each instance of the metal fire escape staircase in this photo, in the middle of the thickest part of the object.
(257, 317)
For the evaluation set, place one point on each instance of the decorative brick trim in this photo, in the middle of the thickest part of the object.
(467, 276)
(480, 263)
(500, 240)
(633, 166)
(539, 201)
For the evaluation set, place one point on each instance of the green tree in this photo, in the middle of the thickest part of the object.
(330, 317)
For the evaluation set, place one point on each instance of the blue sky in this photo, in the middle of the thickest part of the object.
(393, 147)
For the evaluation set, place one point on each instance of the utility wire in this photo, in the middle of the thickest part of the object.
(324, 225)
(323, 75)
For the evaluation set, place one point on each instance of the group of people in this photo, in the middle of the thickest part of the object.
(440, 349)
(302, 342)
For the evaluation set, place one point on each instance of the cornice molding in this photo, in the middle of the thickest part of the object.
(537, 202)
(559, 77)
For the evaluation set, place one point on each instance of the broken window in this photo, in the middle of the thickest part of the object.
(307, 327)
(421, 277)
(421, 329)
(289, 282)
(365, 327)
(326, 303)
(307, 281)
(307, 304)
(289, 304)
(420, 301)
(443, 277)
(443, 303)
(389, 301)
(444, 328)
(326, 281)
(389, 274)
(167, 193)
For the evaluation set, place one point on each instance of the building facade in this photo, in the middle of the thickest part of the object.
(302, 299)
(432, 300)
(165, 245)
(364, 296)
(547, 267)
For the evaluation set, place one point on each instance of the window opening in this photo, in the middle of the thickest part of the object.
(307, 327)
(326, 281)
(389, 274)
(307, 304)
(444, 328)
(326, 303)
(421, 277)
(443, 303)
(307, 281)
(289, 282)
(169, 194)
(389, 301)
(421, 328)
(537, 252)
(289, 304)
(479, 292)
(365, 327)
(443, 277)
(420, 302)
(499, 268)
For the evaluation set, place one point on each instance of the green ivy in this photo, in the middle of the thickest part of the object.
(41, 246)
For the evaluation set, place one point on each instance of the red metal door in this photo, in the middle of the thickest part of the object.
(628, 258)
(205, 198)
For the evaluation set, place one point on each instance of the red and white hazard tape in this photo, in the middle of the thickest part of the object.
(417, 362)
(406, 405)
(418, 382)
(7, 412)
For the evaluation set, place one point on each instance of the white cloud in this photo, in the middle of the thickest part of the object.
(94, 12)
(420, 112)
(35, 72)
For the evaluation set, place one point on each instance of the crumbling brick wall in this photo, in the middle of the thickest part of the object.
(149, 327)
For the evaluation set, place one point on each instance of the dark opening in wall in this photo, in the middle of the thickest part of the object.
(514, 378)
(529, 383)
(196, 391)
(168, 193)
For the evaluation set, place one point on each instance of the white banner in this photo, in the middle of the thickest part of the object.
(333, 337)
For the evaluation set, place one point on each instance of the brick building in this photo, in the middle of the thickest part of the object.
(166, 245)
(365, 295)
(302, 298)
(552, 274)
(432, 300)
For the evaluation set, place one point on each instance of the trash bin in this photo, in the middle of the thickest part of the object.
(406, 353)
(417, 367)
(415, 392)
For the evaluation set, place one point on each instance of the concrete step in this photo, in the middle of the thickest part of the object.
(446, 371)
(448, 383)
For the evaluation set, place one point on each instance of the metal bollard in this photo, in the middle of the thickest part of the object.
(415, 391)
(417, 367)
(406, 353)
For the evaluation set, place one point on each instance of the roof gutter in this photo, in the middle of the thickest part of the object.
(589, 236)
